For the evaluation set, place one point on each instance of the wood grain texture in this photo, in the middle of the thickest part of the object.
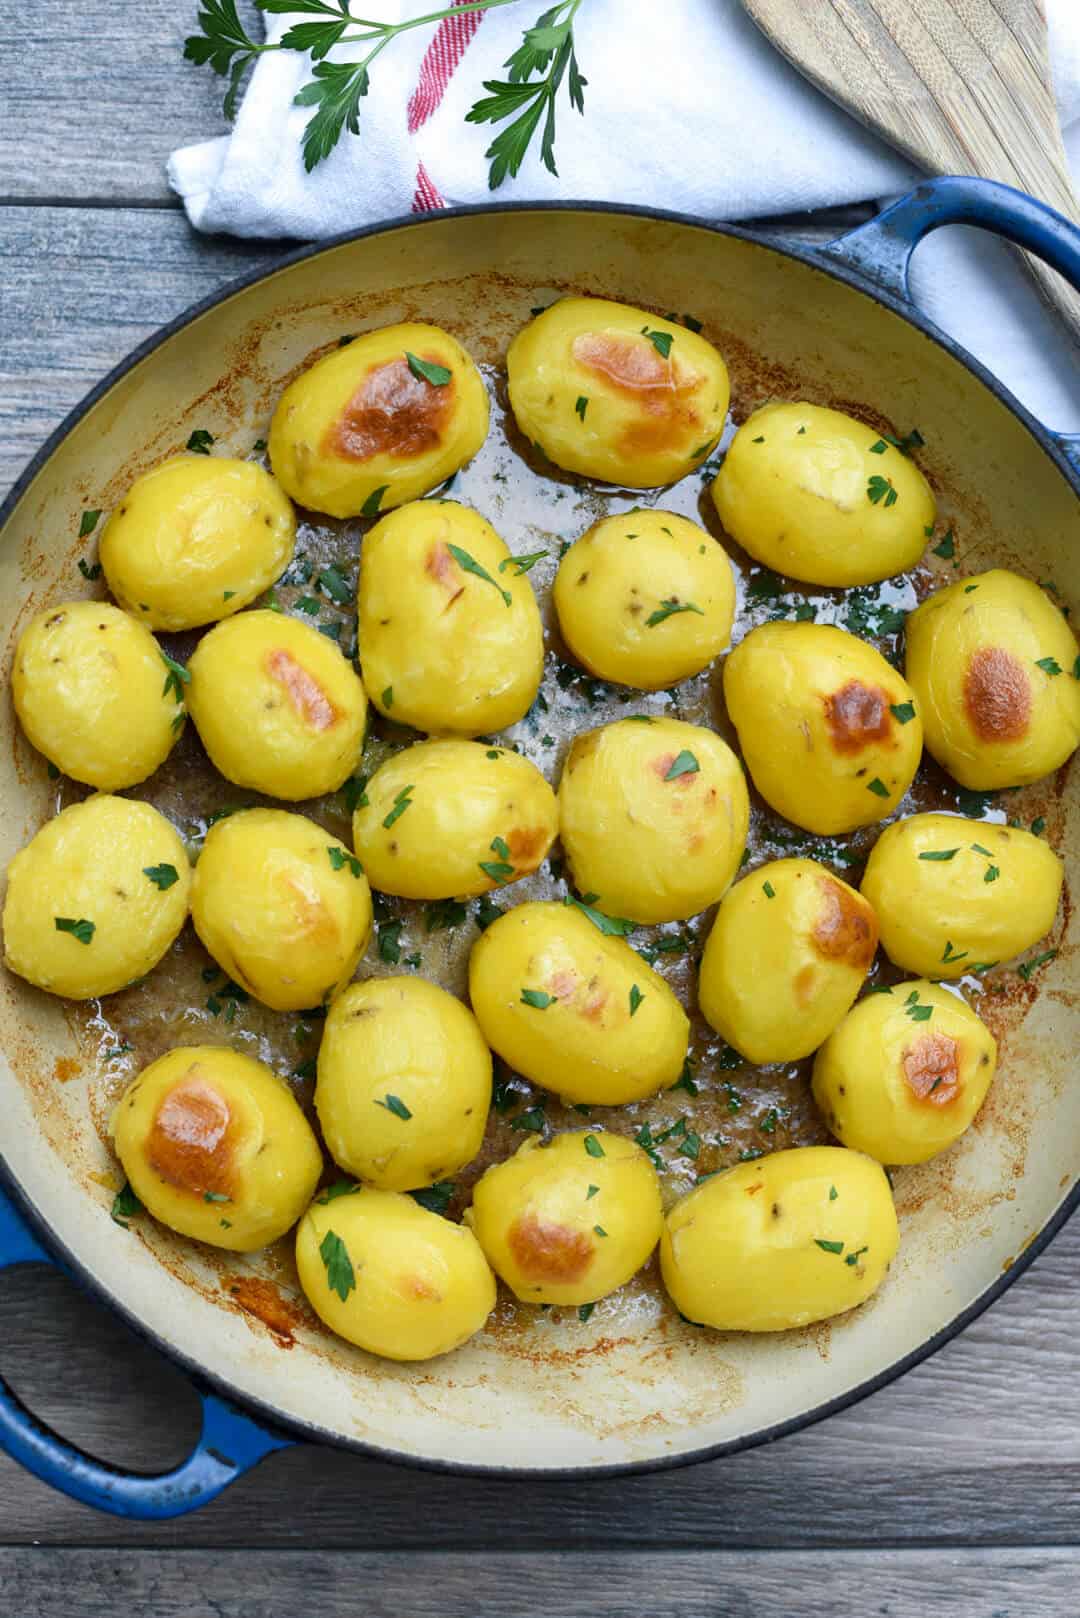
(979, 1446)
(959, 86)
(674, 1584)
(96, 97)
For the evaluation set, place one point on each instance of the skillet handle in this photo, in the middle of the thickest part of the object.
(881, 249)
(229, 1445)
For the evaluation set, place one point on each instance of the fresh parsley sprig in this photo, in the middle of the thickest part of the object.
(336, 89)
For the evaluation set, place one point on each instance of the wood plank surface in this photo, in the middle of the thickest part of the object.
(1005, 1583)
(95, 98)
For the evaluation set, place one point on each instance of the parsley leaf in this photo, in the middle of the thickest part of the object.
(435, 1198)
(668, 607)
(340, 858)
(395, 1105)
(176, 677)
(469, 564)
(1028, 967)
(371, 505)
(82, 930)
(903, 712)
(879, 488)
(401, 803)
(636, 997)
(593, 1147)
(939, 853)
(877, 787)
(1049, 665)
(162, 876)
(334, 584)
(828, 1247)
(522, 564)
(200, 441)
(581, 406)
(684, 764)
(768, 890)
(125, 1205)
(428, 370)
(548, 48)
(340, 1276)
(537, 998)
(389, 939)
(660, 340)
(87, 523)
(612, 926)
(946, 548)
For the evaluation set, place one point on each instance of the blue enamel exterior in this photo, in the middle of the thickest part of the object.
(231, 1443)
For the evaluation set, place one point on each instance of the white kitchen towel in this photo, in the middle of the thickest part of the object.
(687, 107)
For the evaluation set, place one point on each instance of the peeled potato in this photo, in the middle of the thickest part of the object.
(195, 540)
(822, 497)
(277, 706)
(404, 1083)
(996, 672)
(905, 1073)
(788, 952)
(645, 599)
(614, 392)
(95, 899)
(379, 421)
(791, 1238)
(282, 906)
(392, 1277)
(653, 817)
(450, 819)
(216, 1147)
(89, 687)
(568, 1222)
(575, 1009)
(450, 633)
(828, 730)
(953, 896)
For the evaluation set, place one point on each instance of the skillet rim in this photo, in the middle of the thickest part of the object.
(203, 1378)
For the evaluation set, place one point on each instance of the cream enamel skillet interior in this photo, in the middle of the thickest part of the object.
(633, 1384)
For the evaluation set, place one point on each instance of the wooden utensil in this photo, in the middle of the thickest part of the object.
(959, 86)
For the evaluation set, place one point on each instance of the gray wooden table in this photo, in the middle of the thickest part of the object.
(955, 1491)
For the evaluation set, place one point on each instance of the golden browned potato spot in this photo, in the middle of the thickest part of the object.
(568, 1221)
(828, 729)
(995, 667)
(610, 391)
(905, 1072)
(393, 413)
(997, 695)
(379, 421)
(277, 706)
(190, 1143)
(216, 1147)
(786, 956)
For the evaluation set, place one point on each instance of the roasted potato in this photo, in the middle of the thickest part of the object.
(282, 906)
(646, 599)
(379, 421)
(829, 730)
(277, 706)
(89, 687)
(216, 1147)
(390, 1276)
(653, 816)
(575, 1009)
(95, 898)
(570, 1221)
(788, 952)
(195, 540)
(404, 1083)
(783, 1241)
(905, 1073)
(822, 497)
(450, 633)
(996, 672)
(614, 392)
(450, 819)
(954, 896)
